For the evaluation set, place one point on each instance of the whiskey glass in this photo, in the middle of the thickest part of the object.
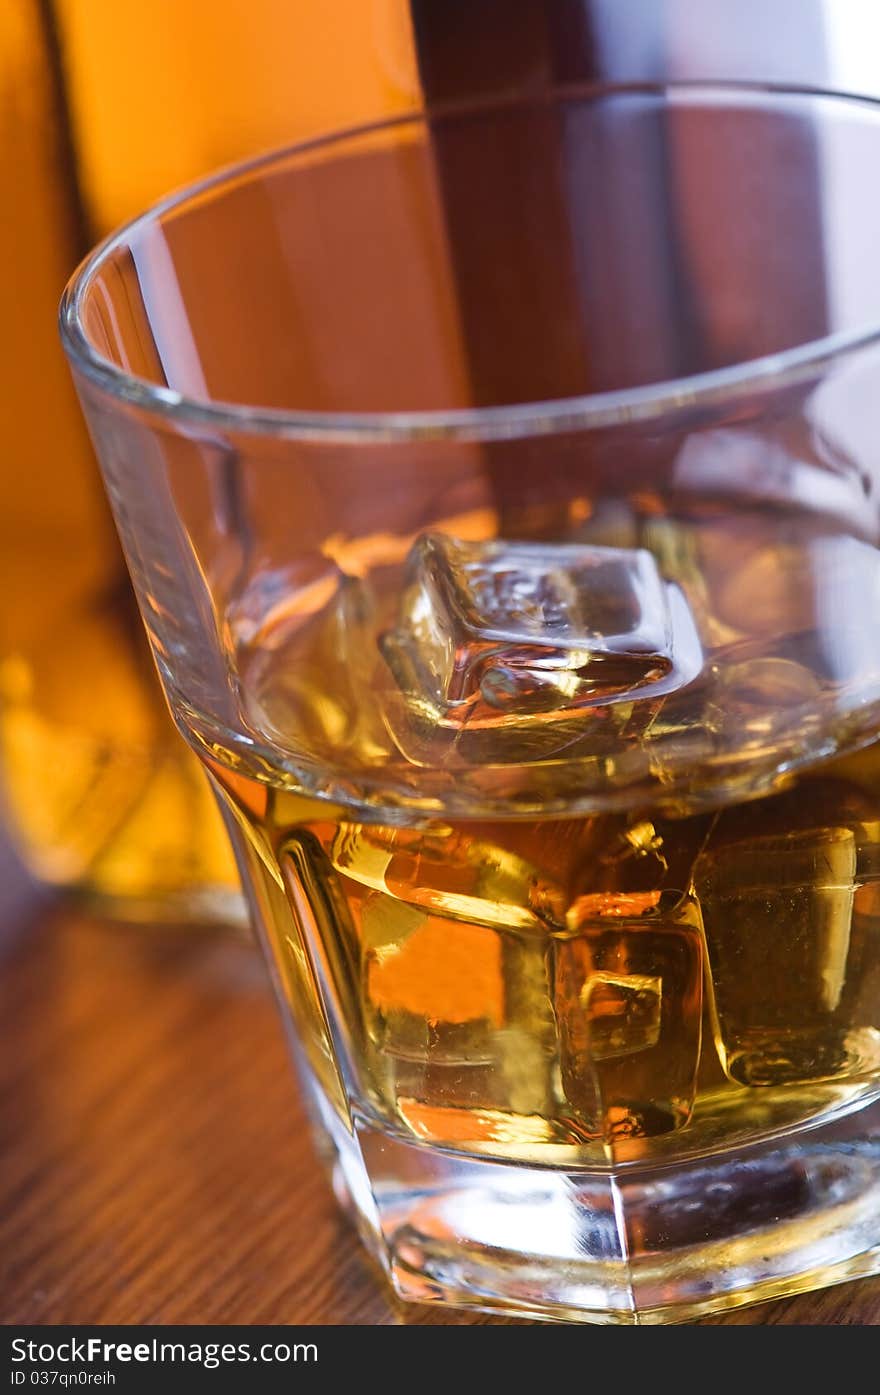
(500, 491)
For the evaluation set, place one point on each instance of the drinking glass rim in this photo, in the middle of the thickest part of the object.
(551, 417)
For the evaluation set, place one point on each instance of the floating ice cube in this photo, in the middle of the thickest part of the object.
(493, 630)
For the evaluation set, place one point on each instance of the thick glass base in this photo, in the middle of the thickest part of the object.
(639, 1245)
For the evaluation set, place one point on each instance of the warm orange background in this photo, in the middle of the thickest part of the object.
(164, 92)
(157, 94)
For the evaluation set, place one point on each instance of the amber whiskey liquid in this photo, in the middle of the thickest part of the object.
(589, 987)
(559, 905)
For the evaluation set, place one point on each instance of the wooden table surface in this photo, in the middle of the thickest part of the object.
(154, 1160)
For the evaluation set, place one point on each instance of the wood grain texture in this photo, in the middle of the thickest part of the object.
(155, 1163)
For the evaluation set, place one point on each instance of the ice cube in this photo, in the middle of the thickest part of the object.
(494, 630)
(456, 996)
(527, 1045)
(778, 915)
(386, 925)
(628, 1001)
(433, 990)
(304, 684)
(451, 873)
(623, 1011)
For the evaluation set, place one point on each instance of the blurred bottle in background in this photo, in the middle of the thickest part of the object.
(105, 108)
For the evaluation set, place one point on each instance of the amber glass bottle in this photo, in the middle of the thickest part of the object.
(102, 114)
